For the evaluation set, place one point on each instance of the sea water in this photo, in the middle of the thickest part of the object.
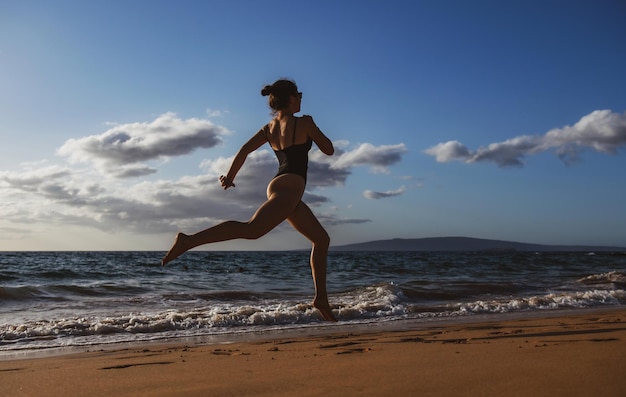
(75, 299)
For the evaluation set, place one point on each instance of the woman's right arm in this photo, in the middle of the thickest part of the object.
(253, 144)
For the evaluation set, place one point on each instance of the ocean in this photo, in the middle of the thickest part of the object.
(52, 300)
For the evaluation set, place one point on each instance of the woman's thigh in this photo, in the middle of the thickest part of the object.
(283, 195)
(304, 221)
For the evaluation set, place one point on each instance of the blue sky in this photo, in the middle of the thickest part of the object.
(488, 119)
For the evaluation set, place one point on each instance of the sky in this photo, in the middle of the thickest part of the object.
(486, 119)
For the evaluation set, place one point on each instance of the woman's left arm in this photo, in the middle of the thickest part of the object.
(321, 140)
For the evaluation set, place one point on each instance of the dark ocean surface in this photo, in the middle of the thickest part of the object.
(68, 299)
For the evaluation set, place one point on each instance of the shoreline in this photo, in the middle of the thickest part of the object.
(306, 331)
(573, 352)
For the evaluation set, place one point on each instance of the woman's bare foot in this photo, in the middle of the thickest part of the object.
(179, 248)
(324, 309)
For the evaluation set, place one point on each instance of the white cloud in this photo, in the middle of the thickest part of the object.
(119, 150)
(132, 171)
(377, 157)
(214, 113)
(601, 130)
(372, 195)
(33, 178)
(448, 151)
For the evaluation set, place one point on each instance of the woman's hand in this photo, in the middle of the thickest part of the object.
(226, 183)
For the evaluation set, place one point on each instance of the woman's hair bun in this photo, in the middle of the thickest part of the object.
(266, 90)
(280, 93)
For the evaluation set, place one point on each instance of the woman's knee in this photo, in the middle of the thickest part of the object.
(322, 240)
(253, 231)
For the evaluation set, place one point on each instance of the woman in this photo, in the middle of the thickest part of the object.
(291, 138)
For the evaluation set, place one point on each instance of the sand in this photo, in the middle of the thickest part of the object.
(574, 354)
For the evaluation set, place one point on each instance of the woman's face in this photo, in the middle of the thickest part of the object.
(296, 101)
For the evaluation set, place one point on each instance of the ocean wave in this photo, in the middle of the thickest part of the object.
(580, 299)
(65, 292)
(456, 290)
(384, 301)
(381, 300)
(59, 274)
(220, 317)
(389, 300)
(615, 278)
(223, 296)
(21, 293)
(7, 277)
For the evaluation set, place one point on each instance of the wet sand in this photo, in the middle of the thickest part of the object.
(572, 354)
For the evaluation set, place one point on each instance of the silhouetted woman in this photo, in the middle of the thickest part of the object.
(291, 138)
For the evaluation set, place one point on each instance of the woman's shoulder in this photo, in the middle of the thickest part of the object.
(270, 124)
(308, 119)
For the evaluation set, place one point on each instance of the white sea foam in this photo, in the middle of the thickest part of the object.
(613, 277)
(580, 299)
(384, 301)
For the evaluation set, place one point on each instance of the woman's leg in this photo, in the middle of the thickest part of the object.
(304, 221)
(283, 194)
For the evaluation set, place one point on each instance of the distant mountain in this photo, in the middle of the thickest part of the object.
(463, 244)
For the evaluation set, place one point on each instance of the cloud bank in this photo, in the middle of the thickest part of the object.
(103, 184)
(601, 130)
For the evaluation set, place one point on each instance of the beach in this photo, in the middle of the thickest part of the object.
(574, 353)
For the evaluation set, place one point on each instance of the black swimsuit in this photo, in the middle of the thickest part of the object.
(293, 159)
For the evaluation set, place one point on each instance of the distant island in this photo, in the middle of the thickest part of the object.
(466, 244)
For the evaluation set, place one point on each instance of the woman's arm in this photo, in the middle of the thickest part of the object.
(253, 144)
(321, 140)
